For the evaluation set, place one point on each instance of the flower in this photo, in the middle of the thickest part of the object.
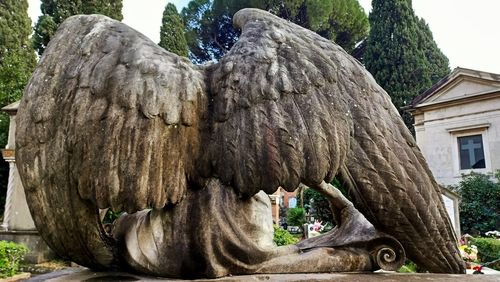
(469, 253)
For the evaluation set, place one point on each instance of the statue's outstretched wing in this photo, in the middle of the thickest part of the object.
(124, 112)
(280, 116)
(108, 120)
(391, 184)
(288, 105)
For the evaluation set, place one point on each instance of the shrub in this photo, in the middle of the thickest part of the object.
(283, 237)
(480, 204)
(408, 267)
(296, 217)
(111, 216)
(10, 255)
(488, 249)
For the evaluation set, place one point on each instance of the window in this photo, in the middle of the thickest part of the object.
(470, 148)
(471, 152)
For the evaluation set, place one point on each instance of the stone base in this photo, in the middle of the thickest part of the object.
(83, 274)
(39, 251)
(18, 277)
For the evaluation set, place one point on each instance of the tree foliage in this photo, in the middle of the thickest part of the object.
(401, 52)
(172, 32)
(17, 57)
(54, 12)
(210, 33)
(296, 217)
(318, 206)
(480, 204)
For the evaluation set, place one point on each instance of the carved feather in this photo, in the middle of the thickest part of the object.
(127, 111)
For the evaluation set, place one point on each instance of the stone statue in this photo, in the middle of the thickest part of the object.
(111, 120)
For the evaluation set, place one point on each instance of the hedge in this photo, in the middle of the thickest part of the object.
(488, 249)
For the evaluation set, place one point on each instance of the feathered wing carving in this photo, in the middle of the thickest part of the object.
(126, 113)
(289, 104)
(392, 185)
(280, 117)
(109, 120)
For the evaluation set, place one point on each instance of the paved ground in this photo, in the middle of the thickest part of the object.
(82, 274)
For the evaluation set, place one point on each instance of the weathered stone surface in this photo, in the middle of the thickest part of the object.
(110, 120)
(86, 275)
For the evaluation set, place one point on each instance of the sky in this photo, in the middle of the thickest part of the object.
(468, 32)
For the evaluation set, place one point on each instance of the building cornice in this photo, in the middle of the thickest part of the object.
(456, 76)
(482, 96)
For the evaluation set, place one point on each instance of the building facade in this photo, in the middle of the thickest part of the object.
(457, 125)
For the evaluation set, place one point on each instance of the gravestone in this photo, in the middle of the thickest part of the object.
(18, 225)
(451, 201)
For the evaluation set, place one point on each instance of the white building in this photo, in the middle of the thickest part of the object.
(457, 124)
(457, 127)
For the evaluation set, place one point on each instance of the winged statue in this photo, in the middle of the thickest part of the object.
(110, 120)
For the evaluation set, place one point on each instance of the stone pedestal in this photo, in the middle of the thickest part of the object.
(82, 274)
(16, 215)
(39, 251)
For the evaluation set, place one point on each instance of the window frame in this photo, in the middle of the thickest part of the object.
(483, 131)
(460, 145)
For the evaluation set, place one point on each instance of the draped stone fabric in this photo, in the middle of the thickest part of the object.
(111, 120)
(213, 233)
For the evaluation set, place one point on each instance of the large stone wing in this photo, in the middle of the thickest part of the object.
(111, 114)
(278, 116)
(391, 184)
(289, 106)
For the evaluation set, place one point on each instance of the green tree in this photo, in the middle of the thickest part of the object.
(17, 61)
(480, 204)
(296, 217)
(318, 206)
(347, 24)
(401, 53)
(172, 32)
(17, 57)
(210, 33)
(54, 12)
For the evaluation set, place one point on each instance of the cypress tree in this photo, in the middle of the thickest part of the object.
(54, 12)
(172, 32)
(17, 56)
(401, 53)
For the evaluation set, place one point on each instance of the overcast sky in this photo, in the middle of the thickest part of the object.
(468, 32)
